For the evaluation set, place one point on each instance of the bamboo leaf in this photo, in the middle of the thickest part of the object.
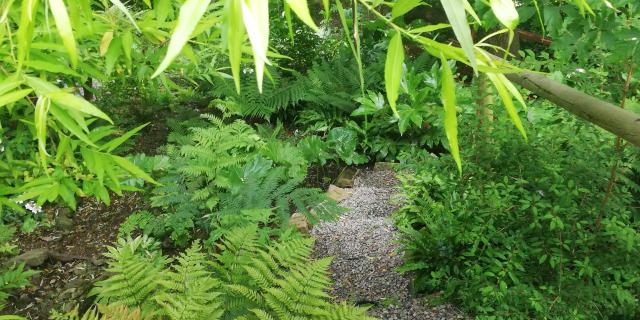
(13, 96)
(74, 102)
(393, 70)
(132, 168)
(126, 12)
(456, 14)
(508, 103)
(403, 6)
(63, 24)
(40, 122)
(255, 14)
(111, 145)
(470, 11)
(513, 90)
(327, 9)
(505, 11)
(235, 37)
(51, 67)
(190, 14)
(301, 9)
(450, 120)
(127, 44)
(25, 30)
(70, 124)
(105, 42)
(430, 28)
(9, 84)
(287, 16)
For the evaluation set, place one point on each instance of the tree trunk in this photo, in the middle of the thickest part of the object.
(621, 122)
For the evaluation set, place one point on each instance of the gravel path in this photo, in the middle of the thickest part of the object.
(366, 254)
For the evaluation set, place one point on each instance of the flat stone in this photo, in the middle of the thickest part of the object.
(384, 166)
(33, 258)
(64, 223)
(300, 222)
(338, 194)
(345, 179)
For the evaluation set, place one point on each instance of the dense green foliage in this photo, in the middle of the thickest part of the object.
(536, 221)
(523, 234)
(216, 176)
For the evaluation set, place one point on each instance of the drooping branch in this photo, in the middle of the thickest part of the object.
(621, 122)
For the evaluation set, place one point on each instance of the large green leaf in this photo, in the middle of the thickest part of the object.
(448, 93)
(132, 168)
(77, 103)
(13, 96)
(403, 6)
(63, 25)
(235, 37)
(126, 12)
(505, 11)
(40, 121)
(393, 70)
(455, 11)
(255, 14)
(111, 145)
(301, 9)
(190, 14)
(505, 95)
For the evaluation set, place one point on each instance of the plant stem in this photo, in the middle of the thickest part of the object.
(619, 149)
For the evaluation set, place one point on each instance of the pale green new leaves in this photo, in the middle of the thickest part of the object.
(393, 70)
(505, 11)
(455, 10)
(63, 25)
(40, 117)
(403, 6)
(505, 88)
(126, 12)
(190, 14)
(301, 9)
(448, 93)
(235, 37)
(255, 14)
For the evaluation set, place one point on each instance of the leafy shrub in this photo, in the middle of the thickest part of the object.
(220, 175)
(520, 234)
(245, 280)
(11, 276)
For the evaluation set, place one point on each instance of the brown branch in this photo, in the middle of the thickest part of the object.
(619, 147)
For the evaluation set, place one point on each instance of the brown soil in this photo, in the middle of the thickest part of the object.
(95, 226)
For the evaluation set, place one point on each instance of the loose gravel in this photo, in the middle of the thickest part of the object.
(364, 245)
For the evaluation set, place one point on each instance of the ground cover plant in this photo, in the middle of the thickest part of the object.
(181, 136)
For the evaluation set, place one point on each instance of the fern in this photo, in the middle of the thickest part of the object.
(278, 95)
(261, 186)
(11, 276)
(189, 290)
(136, 270)
(246, 279)
(101, 312)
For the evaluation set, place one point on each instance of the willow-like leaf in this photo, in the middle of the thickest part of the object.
(126, 12)
(301, 10)
(455, 11)
(505, 95)
(393, 70)
(255, 14)
(235, 37)
(40, 122)
(448, 94)
(505, 11)
(190, 14)
(63, 24)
